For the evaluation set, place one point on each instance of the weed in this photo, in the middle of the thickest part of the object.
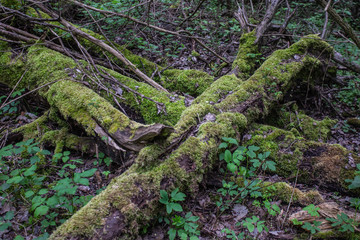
(183, 226)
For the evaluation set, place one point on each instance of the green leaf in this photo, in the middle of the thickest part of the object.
(18, 237)
(176, 207)
(29, 194)
(88, 173)
(15, 180)
(66, 153)
(52, 201)
(178, 197)
(4, 226)
(9, 215)
(43, 191)
(253, 148)
(34, 159)
(228, 156)
(355, 183)
(168, 208)
(223, 145)
(45, 152)
(271, 165)
(194, 238)
(164, 197)
(4, 177)
(83, 181)
(172, 233)
(42, 210)
(30, 171)
(232, 167)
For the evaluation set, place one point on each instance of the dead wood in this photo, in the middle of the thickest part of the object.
(131, 200)
(103, 45)
(338, 19)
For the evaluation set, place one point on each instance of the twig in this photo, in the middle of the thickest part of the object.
(22, 76)
(191, 15)
(104, 46)
(34, 90)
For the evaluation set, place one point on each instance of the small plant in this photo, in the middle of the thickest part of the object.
(312, 227)
(12, 107)
(344, 222)
(102, 158)
(24, 184)
(184, 227)
(272, 209)
(312, 210)
(253, 223)
(230, 234)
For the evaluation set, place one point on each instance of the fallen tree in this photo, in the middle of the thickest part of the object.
(180, 146)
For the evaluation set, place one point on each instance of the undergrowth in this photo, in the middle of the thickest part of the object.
(39, 191)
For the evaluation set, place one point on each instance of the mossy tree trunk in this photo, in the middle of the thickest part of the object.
(226, 108)
(180, 146)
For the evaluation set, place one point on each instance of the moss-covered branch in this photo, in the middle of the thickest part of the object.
(131, 200)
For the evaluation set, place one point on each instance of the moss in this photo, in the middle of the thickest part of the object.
(238, 120)
(195, 53)
(276, 75)
(219, 89)
(283, 191)
(192, 82)
(34, 129)
(320, 163)
(247, 54)
(336, 234)
(148, 109)
(192, 115)
(282, 145)
(354, 122)
(310, 128)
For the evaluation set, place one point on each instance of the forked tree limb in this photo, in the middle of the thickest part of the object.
(338, 19)
(104, 46)
(270, 12)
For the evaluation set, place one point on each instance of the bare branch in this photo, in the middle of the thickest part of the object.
(338, 19)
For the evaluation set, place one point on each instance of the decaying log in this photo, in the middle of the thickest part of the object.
(327, 231)
(225, 109)
(324, 165)
(75, 101)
